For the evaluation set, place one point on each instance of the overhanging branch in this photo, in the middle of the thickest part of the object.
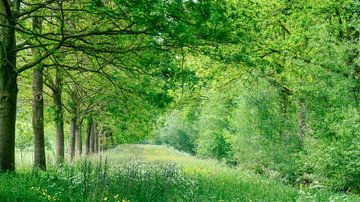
(40, 59)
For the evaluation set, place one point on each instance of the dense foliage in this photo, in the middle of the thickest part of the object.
(268, 86)
(284, 100)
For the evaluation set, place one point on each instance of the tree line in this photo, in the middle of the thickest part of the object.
(272, 86)
(94, 59)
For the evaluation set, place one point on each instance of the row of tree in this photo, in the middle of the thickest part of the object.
(97, 59)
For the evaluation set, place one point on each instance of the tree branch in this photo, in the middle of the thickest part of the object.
(40, 59)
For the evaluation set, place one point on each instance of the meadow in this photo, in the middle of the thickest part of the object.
(150, 173)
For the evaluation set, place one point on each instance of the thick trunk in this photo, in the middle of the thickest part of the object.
(38, 120)
(88, 137)
(78, 139)
(59, 122)
(8, 88)
(8, 96)
(38, 108)
(71, 145)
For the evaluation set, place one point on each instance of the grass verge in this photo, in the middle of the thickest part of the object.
(151, 173)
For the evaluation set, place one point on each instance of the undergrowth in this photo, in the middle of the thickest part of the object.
(150, 173)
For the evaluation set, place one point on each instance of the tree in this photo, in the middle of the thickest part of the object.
(38, 106)
(8, 86)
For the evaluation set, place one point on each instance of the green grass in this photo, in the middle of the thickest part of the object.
(151, 173)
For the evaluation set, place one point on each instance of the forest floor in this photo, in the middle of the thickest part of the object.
(151, 173)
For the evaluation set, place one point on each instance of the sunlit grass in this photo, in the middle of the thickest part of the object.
(149, 173)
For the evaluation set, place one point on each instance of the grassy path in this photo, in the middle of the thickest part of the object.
(151, 173)
(217, 182)
(213, 181)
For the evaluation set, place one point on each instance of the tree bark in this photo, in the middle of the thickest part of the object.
(71, 143)
(59, 119)
(111, 139)
(78, 139)
(96, 142)
(38, 108)
(88, 136)
(8, 88)
(8, 96)
(38, 120)
(92, 138)
(101, 140)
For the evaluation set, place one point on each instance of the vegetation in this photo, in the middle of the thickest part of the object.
(151, 173)
(267, 89)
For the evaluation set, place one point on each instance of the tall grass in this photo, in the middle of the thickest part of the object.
(150, 173)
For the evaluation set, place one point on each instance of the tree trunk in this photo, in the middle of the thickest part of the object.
(92, 138)
(38, 120)
(101, 140)
(96, 142)
(88, 136)
(78, 139)
(8, 88)
(38, 108)
(71, 145)
(8, 96)
(59, 122)
(111, 139)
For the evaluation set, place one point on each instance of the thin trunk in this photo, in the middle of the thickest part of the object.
(92, 138)
(96, 142)
(78, 139)
(112, 139)
(38, 120)
(71, 145)
(59, 121)
(101, 141)
(104, 144)
(21, 157)
(38, 107)
(8, 88)
(88, 136)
